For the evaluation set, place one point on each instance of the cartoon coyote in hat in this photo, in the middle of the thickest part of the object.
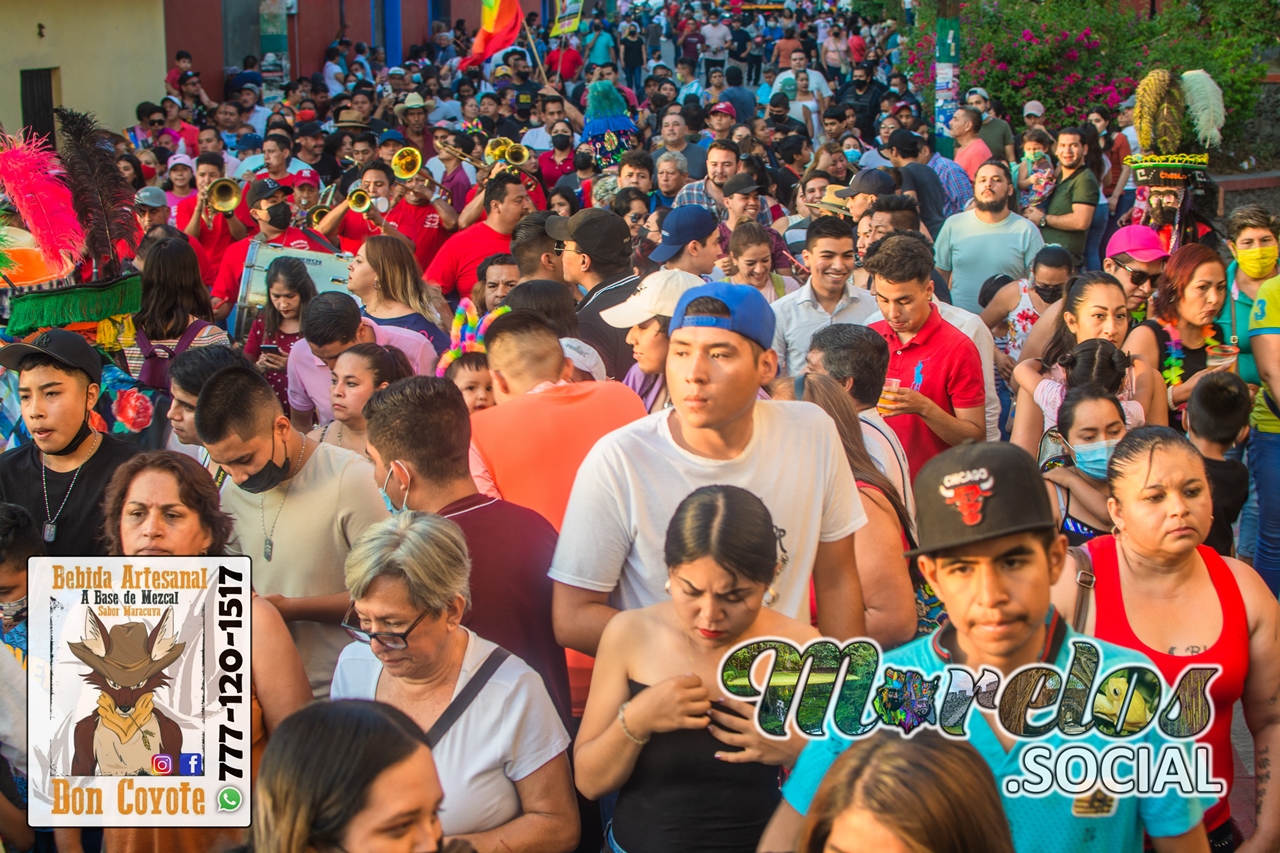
(120, 737)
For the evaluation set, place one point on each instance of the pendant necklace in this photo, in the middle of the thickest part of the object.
(50, 531)
(268, 546)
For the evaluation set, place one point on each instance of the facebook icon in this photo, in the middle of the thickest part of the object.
(191, 764)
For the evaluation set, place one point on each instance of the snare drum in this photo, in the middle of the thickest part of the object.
(328, 272)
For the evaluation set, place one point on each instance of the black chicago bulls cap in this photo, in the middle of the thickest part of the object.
(976, 492)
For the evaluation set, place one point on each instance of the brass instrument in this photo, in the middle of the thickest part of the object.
(223, 196)
(359, 200)
(316, 214)
(406, 163)
(517, 154)
(457, 154)
(496, 149)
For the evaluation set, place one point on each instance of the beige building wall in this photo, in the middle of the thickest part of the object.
(110, 55)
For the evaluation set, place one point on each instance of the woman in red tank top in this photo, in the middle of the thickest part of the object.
(1159, 591)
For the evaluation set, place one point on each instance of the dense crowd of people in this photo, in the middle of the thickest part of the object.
(638, 361)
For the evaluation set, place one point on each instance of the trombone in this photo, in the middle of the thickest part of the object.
(457, 154)
(502, 149)
(407, 163)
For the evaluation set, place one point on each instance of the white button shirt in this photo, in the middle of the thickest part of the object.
(799, 315)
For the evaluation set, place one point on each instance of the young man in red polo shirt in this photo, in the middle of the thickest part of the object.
(939, 402)
(424, 217)
(269, 206)
(350, 228)
(506, 201)
(213, 230)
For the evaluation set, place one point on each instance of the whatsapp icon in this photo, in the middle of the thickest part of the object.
(229, 799)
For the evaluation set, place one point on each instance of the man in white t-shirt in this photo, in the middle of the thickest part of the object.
(610, 555)
(800, 62)
(298, 506)
(715, 50)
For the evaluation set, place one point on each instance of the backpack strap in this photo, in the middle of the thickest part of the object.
(1085, 579)
(468, 694)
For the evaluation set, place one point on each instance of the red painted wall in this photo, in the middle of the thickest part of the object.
(196, 28)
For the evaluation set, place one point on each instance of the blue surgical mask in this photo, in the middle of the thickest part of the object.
(417, 78)
(1092, 458)
(386, 498)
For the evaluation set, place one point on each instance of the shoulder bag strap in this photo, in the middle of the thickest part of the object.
(468, 693)
(1271, 402)
(1085, 580)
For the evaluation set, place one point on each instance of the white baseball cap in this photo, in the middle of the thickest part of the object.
(656, 296)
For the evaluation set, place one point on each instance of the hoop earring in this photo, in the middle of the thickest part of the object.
(770, 597)
(667, 586)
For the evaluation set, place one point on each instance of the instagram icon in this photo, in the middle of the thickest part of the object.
(162, 765)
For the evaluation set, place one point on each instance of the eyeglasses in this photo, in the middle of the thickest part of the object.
(1136, 277)
(562, 247)
(637, 217)
(390, 639)
(156, 123)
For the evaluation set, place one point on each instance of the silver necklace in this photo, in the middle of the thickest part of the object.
(268, 546)
(50, 531)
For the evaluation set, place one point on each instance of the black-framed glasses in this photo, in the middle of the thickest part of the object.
(390, 639)
(156, 123)
(559, 247)
(1136, 277)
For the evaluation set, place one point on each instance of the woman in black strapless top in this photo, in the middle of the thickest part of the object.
(692, 770)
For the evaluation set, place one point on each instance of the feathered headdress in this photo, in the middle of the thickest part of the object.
(102, 197)
(32, 178)
(1204, 103)
(467, 334)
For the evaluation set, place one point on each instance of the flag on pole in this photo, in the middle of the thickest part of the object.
(499, 26)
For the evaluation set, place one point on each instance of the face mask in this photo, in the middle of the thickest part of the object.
(351, 87)
(1259, 262)
(853, 155)
(895, 90)
(1092, 458)
(386, 498)
(74, 445)
(13, 612)
(279, 215)
(561, 141)
(417, 78)
(1049, 294)
(583, 161)
(271, 474)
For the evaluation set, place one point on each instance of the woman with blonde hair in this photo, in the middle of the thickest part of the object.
(386, 278)
(924, 794)
(888, 587)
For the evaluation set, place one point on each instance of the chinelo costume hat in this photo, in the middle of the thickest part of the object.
(607, 128)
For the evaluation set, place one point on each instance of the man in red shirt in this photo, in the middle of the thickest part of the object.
(268, 203)
(564, 60)
(350, 228)
(506, 201)
(213, 230)
(277, 150)
(941, 397)
(424, 217)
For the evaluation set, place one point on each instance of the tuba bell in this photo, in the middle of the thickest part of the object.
(224, 195)
(405, 163)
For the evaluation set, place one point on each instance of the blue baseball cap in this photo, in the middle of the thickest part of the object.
(249, 142)
(749, 313)
(682, 226)
(390, 136)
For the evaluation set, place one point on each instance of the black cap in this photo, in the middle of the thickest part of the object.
(976, 492)
(601, 235)
(60, 345)
(868, 182)
(904, 141)
(743, 183)
(265, 188)
(308, 128)
(187, 75)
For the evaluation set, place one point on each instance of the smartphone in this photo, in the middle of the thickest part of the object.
(270, 349)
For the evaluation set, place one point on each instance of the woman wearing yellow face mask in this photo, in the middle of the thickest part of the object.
(1253, 240)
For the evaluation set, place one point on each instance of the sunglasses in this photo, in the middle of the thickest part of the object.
(156, 123)
(1137, 277)
(637, 217)
(561, 248)
(389, 639)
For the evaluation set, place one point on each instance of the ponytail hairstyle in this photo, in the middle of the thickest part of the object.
(1141, 443)
(748, 233)
(387, 363)
(1096, 362)
(1064, 340)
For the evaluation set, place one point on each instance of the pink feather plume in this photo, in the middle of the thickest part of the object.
(31, 175)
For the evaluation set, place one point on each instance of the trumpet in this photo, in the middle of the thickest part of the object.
(406, 163)
(224, 195)
(359, 200)
(316, 214)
